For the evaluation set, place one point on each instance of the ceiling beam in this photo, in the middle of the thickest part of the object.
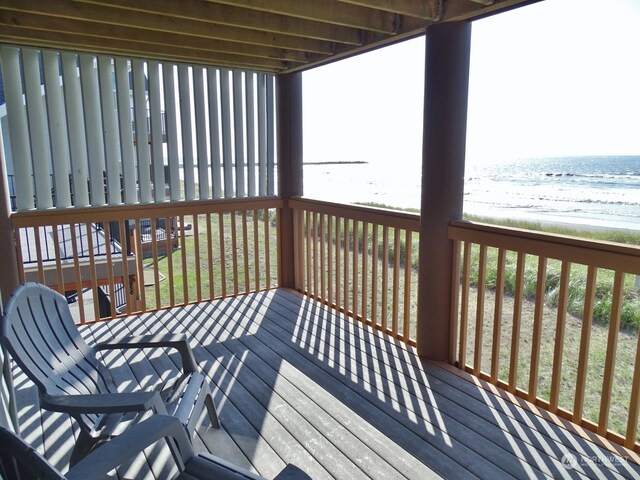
(129, 48)
(414, 8)
(98, 32)
(165, 23)
(327, 11)
(236, 17)
(470, 9)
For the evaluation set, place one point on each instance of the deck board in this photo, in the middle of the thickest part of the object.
(297, 382)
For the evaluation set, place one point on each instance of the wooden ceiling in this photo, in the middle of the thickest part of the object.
(268, 35)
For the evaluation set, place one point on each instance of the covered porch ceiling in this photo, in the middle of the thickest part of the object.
(277, 36)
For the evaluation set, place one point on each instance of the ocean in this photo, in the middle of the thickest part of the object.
(586, 191)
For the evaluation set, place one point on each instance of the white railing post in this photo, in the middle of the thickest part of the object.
(57, 129)
(93, 127)
(18, 127)
(75, 121)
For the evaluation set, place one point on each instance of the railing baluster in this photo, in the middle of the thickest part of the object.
(17, 235)
(234, 250)
(477, 349)
(454, 358)
(338, 249)
(323, 245)
(307, 249)
(183, 261)
(40, 263)
(583, 356)
(536, 336)
(78, 274)
(245, 250)
(374, 275)
(256, 250)
(406, 327)
(210, 257)
(355, 270)
(385, 277)
(92, 272)
(223, 255)
(330, 296)
(172, 230)
(140, 267)
(59, 273)
(345, 264)
(497, 316)
(196, 253)
(396, 281)
(559, 343)
(610, 360)
(126, 281)
(464, 310)
(365, 271)
(268, 251)
(314, 264)
(517, 321)
(154, 254)
(109, 266)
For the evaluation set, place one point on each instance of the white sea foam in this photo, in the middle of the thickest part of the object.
(589, 191)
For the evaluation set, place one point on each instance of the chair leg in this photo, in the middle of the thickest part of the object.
(213, 414)
(83, 446)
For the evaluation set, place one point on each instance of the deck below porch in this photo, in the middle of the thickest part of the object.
(297, 382)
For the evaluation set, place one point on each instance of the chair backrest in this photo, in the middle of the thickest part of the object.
(19, 460)
(39, 332)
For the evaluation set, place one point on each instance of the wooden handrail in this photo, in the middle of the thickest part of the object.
(237, 252)
(563, 247)
(338, 245)
(535, 252)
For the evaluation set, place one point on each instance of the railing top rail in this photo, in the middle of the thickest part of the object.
(151, 210)
(380, 216)
(602, 254)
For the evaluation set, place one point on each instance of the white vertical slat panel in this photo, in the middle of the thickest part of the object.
(263, 133)
(18, 127)
(225, 104)
(125, 122)
(172, 129)
(238, 128)
(214, 131)
(184, 87)
(93, 125)
(271, 136)
(157, 145)
(75, 121)
(57, 128)
(110, 129)
(251, 133)
(40, 144)
(201, 132)
(143, 151)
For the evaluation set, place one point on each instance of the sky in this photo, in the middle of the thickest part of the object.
(556, 78)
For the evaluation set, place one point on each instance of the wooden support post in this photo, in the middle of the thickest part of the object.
(445, 119)
(289, 118)
(9, 279)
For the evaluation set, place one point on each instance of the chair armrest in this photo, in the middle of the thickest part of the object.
(133, 441)
(104, 403)
(177, 341)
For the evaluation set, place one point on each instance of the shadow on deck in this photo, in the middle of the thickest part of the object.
(297, 382)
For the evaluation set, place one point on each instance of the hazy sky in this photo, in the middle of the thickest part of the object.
(560, 77)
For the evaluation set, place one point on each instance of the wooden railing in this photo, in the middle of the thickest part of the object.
(553, 320)
(362, 261)
(156, 256)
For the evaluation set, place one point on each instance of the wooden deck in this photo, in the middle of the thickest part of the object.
(297, 382)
